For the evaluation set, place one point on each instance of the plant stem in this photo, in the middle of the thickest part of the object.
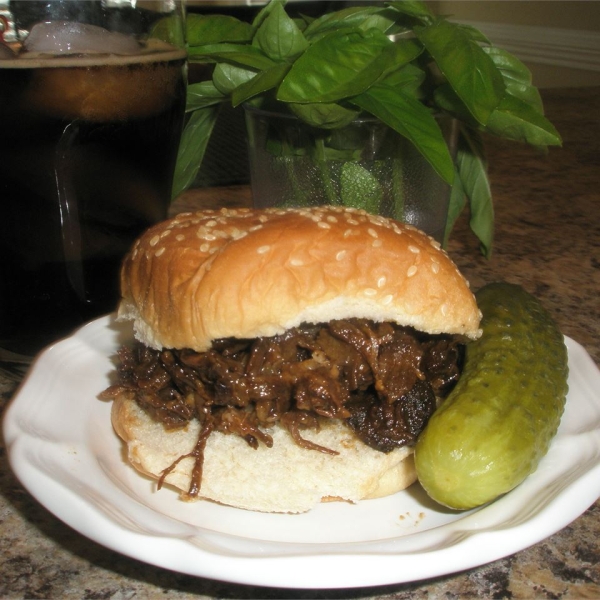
(325, 172)
(397, 182)
(299, 197)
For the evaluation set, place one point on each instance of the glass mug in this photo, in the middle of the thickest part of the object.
(92, 101)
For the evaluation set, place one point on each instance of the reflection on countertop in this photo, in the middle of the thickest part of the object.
(547, 239)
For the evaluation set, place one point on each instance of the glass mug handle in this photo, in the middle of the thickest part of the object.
(69, 210)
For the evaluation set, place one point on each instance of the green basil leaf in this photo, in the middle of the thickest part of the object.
(235, 54)
(474, 34)
(469, 70)
(303, 21)
(447, 100)
(214, 29)
(260, 83)
(411, 119)
(517, 120)
(169, 29)
(202, 94)
(398, 55)
(337, 66)
(324, 115)
(359, 188)
(354, 17)
(226, 78)
(473, 175)
(192, 147)
(279, 37)
(408, 78)
(265, 11)
(517, 77)
(414, 8)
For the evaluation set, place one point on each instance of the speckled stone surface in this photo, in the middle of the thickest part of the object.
(548, 240)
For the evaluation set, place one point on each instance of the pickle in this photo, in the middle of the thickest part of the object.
(497, 423)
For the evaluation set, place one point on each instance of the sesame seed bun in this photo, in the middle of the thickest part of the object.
(250, 273)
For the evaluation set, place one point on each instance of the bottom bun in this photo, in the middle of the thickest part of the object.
(284, 478)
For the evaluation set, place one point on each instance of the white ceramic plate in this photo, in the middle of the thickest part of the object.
(63, 449)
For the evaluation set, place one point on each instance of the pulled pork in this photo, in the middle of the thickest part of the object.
(381, 379)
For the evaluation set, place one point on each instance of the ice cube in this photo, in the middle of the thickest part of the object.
(70, 37)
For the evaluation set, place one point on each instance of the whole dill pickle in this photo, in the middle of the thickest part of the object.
(497, 423)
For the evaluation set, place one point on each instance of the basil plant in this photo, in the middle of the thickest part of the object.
(396, 61)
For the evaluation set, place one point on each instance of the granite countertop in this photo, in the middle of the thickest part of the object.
(547, 239)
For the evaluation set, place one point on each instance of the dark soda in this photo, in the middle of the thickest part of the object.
(87, 151)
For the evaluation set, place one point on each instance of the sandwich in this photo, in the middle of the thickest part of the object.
(285, 357)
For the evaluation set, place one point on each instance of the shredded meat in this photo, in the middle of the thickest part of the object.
(381, 379)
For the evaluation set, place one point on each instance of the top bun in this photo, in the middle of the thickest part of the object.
(250, 273)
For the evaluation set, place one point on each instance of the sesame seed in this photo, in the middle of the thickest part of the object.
(323, 225)
(381, 281)
(340, 255)
(263, 249)
(263, 218)
(160, 252)
(180, 237)
(255, 227)
(435, 244)
(411, 271)
(165, 233)
(352, 221)
(372, 232)
(210, 223)
(414, 249)
(332, 219)
(370, 292)
(444, 309)
(205, 247)
(387, 299)
(435, 267)
(154, 240)
(377, 243)
(296, 262)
